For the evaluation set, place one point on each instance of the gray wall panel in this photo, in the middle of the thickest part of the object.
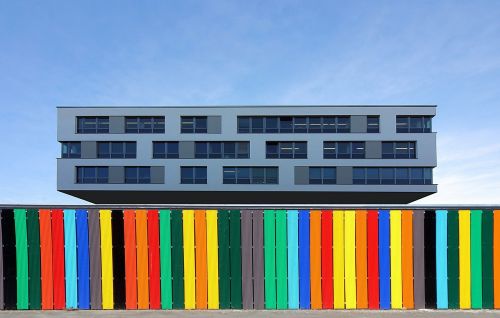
(246, 259)
(89, 149)
(186, 149)
(418, 259)
(116, 174)
(301, 175)
(158, 174)
(95, 259)
(344, 175)
(116, 124)
(214, 124)
(258, 259)
(358, 124)
(373, 149)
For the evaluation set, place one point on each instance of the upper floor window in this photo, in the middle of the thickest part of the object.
(322, 175)
(413, 124)
(399, 150)
(92, 125)
(286, 149)
(145, 124)
(137, 174)
(165, 149)
(372, 124)
(392, 175)
(193, 175)
(222, 149)
(92, 174)
(250, 175)
(193, 124)
(116, 149)
(343, 149)
(70, 149)
(294, 124)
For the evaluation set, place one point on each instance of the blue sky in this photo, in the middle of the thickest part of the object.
(251, 52)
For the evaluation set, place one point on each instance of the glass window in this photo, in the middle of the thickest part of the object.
(229, 150)
(416, 124)
(329, 175)
(201, 149)
(300, 124)
(187, 175)
(201, 125)
(243, 125)
(92, 125)
(343, 124)
(329, 124)
(272, 149)
(286, 125)
(300, 150)
(214, 150)
(372, 176)
(116, 149)
(388, 150)
(358, 150)
(344, 150)
(145, 124)
(314, 125)
(257, 125)
(103, 150)
(286, 150)
(193, 124)
(138, 175)
(71, 149)
(243, 149)
(193, 175)
(271, 125)
(358, 175)
(271, 175)
(373, 124)
(200, 175)
(165, 149)
(329, 150)
(258, 175)
(387, 175)
(402, 124)
(417, 175)
(402, 176)
(229, 175)
(92, 174)
(427, 175)
(402, 151)
(315, 175)
(250, 175)
(243, 175)
(427, 124)
(159, 149)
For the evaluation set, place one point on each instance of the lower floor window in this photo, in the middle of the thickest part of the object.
(92, 174)
(322, 175)
(250, 175)
(392, 175)
(193, 175)
(137, 174)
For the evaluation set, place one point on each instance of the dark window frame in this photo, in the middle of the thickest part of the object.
(92, 174)
(413, 124)
(349, 147)
(197, 125)
(92, 124)
(401, 176)
(167, 147)
(137, 178)
(248, 175)
(280, 147)
(123, 153)
(198, 175)
(144, 124)
(411, 152)
(322, 179)
(67, 148)
(228, 150)
(293, 124)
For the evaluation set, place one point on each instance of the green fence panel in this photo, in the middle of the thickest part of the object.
(165, 260)
(224, 260)
(270, 258)
(235, 248)
(21, 259)
(476, 260)
(487, 261)
(453, 283)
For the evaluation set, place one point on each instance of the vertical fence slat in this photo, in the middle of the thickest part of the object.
(281, 261)
(407, 257)
(95, 260)
(34, 258)
(270, 258)
(58, 258)
(476, 258)
(130, 259)
(350, 258)
(200, 226)
(141, 231)
(338, 260)
(418, 259)
(9, 259)
(21, 258)
(2, 307)
(361, 259)
(315, 258)
(82, 239)
(453, 260)
(304, 262)
(224, 259)
(107, 259)
(327, 259)
(258, 259)
(395, 250)
(165, 259)
(384, 259)
(372, 259)
(487, 260)
(154, 259)
(177, 261)
(246, 261)
(189, 267)
(293, 259)
(496, 259)
(118, 243)
(235, 255)
(70, 258)
(441, 260)
(430, 258)
(212, 260)
(464, 252)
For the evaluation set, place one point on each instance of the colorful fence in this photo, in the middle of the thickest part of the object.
(249, 259)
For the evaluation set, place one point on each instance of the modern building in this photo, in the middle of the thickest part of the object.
(247, 154)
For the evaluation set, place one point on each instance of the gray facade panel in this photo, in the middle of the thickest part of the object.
(116, 174)
(186, 149)
(158, 174)
(301, 175)
(358, 124)
(344, 175)
(88, 149)
(214, 124)
(116, 124)
(373, 149)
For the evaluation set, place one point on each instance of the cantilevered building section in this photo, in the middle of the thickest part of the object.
(247, 154)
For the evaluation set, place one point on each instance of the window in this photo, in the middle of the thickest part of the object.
(343, 149)
(413, 124)
(194, 124)
(165, 149)
(145, 125)
(92, 125)
(70, 149)
(293, 124)
(399, 150)
(116, 149)
(286, 149)
(373, 124)
(222, 149)
(250, 175)
(193, 175)
(137, 174)
(392, 175)
(322, 175)
(91, 174)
